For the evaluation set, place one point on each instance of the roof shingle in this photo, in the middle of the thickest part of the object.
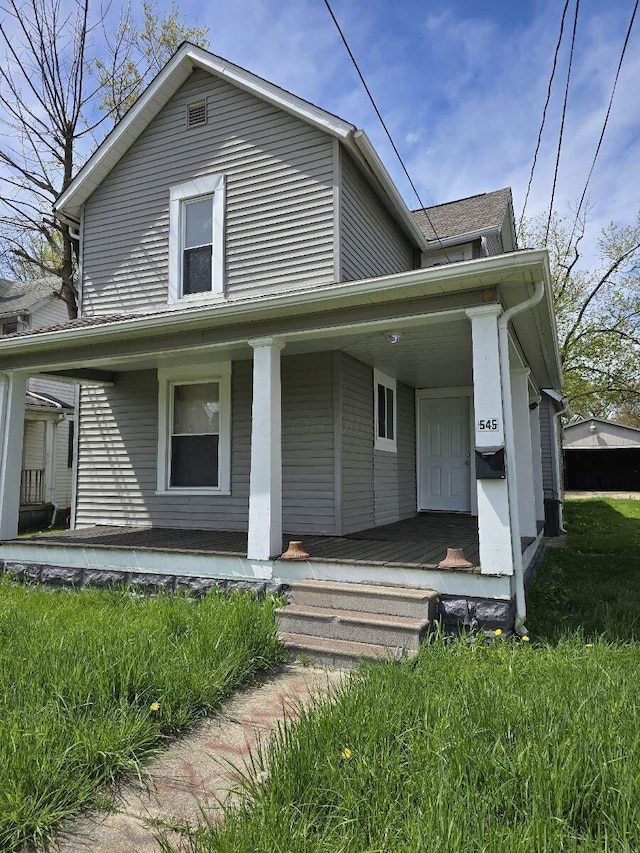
(464, 215)
(17, 297)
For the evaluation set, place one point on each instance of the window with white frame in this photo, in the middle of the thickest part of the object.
(196, 240)
(194, 438)
(385, 415)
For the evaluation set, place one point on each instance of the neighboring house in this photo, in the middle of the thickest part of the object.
(601, 455)
(270, 342)
(45, 481)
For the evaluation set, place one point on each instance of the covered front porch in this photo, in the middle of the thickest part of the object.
(338, 421)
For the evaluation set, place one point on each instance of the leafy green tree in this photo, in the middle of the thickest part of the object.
(56, 104)
(597, 310)
(138, 52)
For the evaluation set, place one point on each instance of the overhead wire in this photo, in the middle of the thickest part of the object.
(605, 123)
(562, 120)
(385, 128)
(544, 114)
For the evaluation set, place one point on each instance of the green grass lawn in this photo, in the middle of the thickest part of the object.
(93, 681)
(476, 747)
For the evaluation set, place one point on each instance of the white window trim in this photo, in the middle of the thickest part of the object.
(388, 444)
(167, 377)
(208, 185)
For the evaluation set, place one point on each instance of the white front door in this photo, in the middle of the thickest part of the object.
(444, 468)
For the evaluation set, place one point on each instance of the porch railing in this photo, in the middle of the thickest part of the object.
(31, 486)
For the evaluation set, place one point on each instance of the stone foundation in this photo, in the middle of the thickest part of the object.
(144, 582)
(473, 614)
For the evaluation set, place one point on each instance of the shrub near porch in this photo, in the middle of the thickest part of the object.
(92, 681)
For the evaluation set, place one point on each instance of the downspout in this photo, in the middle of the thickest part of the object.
(556, 419)
(507, 413)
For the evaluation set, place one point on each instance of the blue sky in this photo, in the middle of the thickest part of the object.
(461, 86)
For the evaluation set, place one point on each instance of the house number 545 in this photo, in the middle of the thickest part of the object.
(488, 424)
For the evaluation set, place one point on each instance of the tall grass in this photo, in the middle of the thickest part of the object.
(80, 675)
(476, 747)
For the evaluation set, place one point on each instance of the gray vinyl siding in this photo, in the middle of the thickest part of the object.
(371, 243)
(357, 445)
(377, 487)
(394, 474)
(118, 454)
(308, 493)
(279, 201)
(117, 459)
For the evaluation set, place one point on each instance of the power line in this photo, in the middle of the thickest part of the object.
(544, 113)
(564, 113)
(606, 120)
(386, 129)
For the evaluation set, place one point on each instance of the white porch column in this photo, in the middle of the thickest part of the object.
(524, 454)
(13, 388)
(265, 483)
(494, 529)
(536, 454)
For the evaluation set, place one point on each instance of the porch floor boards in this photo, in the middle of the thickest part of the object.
(417, 542)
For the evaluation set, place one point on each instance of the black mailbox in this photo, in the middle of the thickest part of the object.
(490, 463)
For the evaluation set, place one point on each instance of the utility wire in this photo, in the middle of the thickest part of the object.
(544, 114)
(382, 122)
(606, 121)
(564, 113)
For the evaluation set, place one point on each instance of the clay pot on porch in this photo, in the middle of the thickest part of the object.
(295, 551)
(455, 559)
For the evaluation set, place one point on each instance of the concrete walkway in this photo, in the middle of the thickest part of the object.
(194, 773)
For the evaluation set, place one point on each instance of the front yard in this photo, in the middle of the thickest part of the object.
(477, 746)
(91, 682)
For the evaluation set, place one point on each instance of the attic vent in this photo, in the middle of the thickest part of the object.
(196, 113)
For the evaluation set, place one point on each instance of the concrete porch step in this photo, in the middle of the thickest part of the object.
(340, 652)
(368, 598)
(353, 626)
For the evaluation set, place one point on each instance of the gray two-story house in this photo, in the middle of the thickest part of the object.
(271, 344)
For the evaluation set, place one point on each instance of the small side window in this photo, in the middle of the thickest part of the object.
(385, 405)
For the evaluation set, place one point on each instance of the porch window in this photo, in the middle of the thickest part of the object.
(385, 417)
(194, 436)
(196, 240)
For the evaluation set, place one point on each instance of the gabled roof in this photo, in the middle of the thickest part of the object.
(601, 421)
(162, 88)
(465, 215)
(17, 297)
(46, 402)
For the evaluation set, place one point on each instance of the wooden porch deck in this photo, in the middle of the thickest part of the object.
(418, 542)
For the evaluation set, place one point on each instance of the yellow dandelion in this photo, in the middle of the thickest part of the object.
(497, 632)
(589, 645)
(525, 638)
(154, 706)
(346, 753)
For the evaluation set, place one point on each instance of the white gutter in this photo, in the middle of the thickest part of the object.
(243, 309)
(507, 413)
(465, 237)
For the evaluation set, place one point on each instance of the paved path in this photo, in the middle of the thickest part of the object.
(194, 773)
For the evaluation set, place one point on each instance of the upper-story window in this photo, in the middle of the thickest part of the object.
(196, 240)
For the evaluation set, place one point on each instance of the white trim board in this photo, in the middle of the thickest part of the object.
(241, 568)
